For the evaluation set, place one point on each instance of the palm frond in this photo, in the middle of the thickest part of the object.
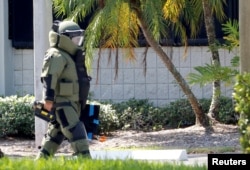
(218, 8)
(172, 9)
(74, 9)
(231, 29)
(183, 15)
(93, 34)
(210, 73)
(192, 16)
(152, 12)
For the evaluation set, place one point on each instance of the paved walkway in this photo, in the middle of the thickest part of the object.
(199, 159)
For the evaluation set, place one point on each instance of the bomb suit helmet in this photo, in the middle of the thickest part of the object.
(71, 30)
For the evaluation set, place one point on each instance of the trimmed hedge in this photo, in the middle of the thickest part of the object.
(17, 117)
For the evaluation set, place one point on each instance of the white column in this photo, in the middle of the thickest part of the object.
(244, 22)
(42, 24)
(6, 78)
(2, 39)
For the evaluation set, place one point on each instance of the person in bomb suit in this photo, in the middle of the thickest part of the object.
(65, 89)
(1, 153)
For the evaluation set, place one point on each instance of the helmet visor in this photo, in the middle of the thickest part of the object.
(78, 40)
(77, 36)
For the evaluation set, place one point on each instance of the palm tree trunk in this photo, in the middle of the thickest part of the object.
(209, 24)
(201, 118)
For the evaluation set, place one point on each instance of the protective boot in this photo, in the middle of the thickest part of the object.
(51, 142)
(79, 141)
(42, 154)
(81, 148)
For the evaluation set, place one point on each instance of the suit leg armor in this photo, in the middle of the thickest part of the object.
(74, 130)
(51, 141)
(79, 141)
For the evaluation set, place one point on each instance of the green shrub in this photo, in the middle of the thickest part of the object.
(16, 116)
(138, 115)
(141, 115)
(227, 114)
(108, 119)
(241, 97)
(180, 113)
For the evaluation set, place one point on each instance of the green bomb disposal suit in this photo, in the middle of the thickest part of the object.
(60, 85)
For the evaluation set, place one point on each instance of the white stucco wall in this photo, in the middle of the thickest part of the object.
(23, 71)
(158, 86)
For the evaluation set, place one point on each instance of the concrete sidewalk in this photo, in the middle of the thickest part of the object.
(199, 159)
(175, 156)
(193, 159)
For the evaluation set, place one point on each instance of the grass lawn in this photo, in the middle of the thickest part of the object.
(65, 163)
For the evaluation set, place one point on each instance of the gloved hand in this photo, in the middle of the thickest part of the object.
(48, 105)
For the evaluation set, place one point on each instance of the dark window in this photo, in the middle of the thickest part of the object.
(231, 11)
(21, 23)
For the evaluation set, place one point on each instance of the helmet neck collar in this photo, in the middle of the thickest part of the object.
(63, 42)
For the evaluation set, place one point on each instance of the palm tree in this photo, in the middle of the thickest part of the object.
(211, 72)
(201, 118)
(206, 9)
(209, 24)
(117, 24)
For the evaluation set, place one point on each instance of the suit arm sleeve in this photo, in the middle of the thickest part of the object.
(51, 71)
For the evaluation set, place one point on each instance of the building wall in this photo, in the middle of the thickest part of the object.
(158, 85)
(23, 61)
